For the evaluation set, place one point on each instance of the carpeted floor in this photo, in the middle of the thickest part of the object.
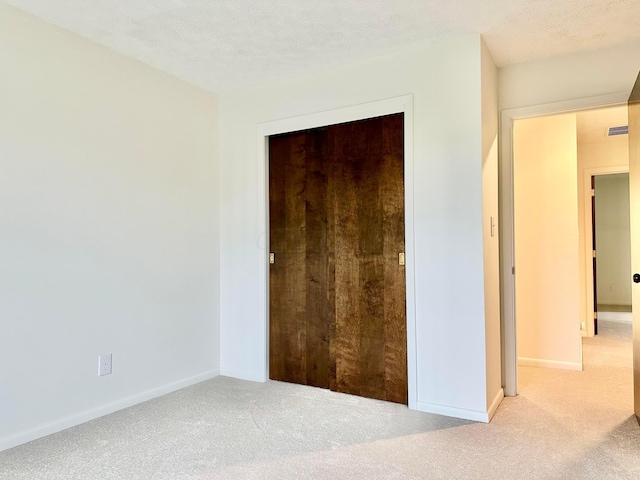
(563, 425)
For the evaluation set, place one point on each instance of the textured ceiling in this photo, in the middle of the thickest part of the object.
(222, 43)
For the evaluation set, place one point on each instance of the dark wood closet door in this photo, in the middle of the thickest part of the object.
(301, 277)
(337, 298)
(370, 333)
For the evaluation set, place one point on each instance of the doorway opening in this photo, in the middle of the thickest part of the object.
(554, 226)
(612, 249)
(555, 159)
(611, 343)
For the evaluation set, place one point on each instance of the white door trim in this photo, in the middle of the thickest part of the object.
(507, 251)
(403, 104)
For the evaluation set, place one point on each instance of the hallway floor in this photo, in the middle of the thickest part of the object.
(563, 425)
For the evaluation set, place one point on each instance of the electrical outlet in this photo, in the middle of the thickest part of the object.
(583, 326)
(611, 288)
(104, 364)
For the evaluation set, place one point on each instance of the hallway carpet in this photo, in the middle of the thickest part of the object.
(563, 425)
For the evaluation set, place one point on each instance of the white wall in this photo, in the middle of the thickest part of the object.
(612, 239)
(445, 83)
(546, 242)
(109, 230)
(489, 81)
(567, 77)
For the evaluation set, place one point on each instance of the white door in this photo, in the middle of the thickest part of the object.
(634, 196)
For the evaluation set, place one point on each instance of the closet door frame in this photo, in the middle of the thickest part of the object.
(404, 105)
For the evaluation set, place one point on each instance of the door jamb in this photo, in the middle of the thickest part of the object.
(507, 248)
(403, 104)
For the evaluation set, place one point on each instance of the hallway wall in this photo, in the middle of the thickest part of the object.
(613, 239)
(566, 77)
(546, 242)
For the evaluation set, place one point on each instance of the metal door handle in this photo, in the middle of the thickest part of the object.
(636, 278)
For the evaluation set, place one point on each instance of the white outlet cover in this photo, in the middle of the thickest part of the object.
(104, 364)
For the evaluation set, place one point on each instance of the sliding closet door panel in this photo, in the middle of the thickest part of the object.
(370, 334)
(300, 280)
(287, 277)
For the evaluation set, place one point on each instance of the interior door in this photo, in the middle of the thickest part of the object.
(337, 285)
(634, 195)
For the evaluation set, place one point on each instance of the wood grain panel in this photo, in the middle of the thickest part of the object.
(288, 276)
(392, 191)
(368, 152)
(319, 277)
(365, 144)
(332, 172)
(346, 339)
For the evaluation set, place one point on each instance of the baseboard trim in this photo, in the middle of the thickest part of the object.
(617, 317)
(100, 411)
(463, 413)
(242, 375)
(495, 404)
(537, 362)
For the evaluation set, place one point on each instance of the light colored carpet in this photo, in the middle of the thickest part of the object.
(563, 425)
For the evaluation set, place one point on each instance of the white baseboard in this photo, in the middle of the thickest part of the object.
(537, 362)
(243, 375)
(618, 317)
(465, 414)
(475, 415)
(93, 413)
(495, 404)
